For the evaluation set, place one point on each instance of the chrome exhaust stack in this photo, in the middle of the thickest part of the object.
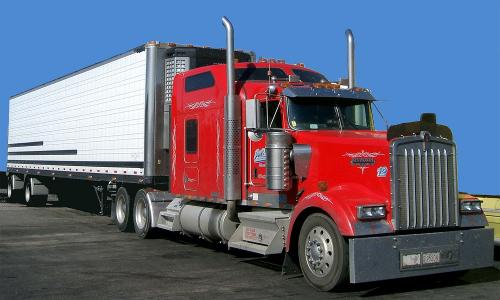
(232, 131)
(350, 58)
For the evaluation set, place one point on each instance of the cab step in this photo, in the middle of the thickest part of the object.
(169, 219)
(262, 232)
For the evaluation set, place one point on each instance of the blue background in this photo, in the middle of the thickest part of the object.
(423, 56)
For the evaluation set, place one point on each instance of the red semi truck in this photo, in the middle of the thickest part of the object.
(267, 157)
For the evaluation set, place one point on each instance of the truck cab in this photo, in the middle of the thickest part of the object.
(309, 150)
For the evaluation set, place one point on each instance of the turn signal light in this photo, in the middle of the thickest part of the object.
(322, 186)
(326, 85)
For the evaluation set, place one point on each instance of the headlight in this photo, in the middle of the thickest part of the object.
(371, 212)
(470, 206)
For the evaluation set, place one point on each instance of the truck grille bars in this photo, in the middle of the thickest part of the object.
(424, 183)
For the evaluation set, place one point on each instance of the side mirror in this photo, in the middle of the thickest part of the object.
(253, 114)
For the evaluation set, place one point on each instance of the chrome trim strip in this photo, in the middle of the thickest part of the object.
(427, 195)
(414, 191)
(407, 182)
(421, 189)
(440, 202)
(434, 214)
(447, 199)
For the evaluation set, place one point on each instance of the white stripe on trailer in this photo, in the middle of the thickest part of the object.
(79, 169)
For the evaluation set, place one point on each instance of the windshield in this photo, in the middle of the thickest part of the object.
(308, 76)
(328, 113)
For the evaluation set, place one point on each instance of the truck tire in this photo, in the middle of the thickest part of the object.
(142, 215)
(12, 195)
(123, 210)
(323, 253)
(30, 199)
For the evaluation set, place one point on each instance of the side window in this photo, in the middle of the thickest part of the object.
(191, 136)
(273, 117)
(199, 81)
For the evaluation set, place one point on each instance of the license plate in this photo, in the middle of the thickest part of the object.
(431, 258)
(411, 260)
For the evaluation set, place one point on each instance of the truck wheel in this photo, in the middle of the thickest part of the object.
(123, 210)
(142, 215)
(30, 199)
(12, 195)
(323, 255)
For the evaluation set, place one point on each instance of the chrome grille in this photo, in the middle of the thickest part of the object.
(424, 183)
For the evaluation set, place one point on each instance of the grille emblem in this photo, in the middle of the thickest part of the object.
(426, 140)
(363, 160)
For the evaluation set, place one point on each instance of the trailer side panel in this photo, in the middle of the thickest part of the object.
(90, 122)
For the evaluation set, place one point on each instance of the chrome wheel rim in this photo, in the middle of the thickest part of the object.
(27, 194)
(140, 214)
(319, 251)
(121, 208)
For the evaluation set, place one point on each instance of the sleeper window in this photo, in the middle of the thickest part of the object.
(199, 81)
(191, 136)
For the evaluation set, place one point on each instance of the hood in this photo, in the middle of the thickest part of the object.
(355, 164)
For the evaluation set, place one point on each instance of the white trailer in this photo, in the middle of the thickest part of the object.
(106, 123)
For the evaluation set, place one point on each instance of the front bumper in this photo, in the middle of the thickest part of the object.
(398, 256)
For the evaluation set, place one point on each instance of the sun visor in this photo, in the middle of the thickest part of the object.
(308, 91)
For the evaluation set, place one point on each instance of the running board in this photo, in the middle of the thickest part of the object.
(169, 219)
(262, 232)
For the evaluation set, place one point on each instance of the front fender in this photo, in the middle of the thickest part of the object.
(325, 203)
(340, 204)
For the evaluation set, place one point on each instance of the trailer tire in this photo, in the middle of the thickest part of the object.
(12, 195)
(323, 253)
(30, 199)
(123, 210)
(142, 215)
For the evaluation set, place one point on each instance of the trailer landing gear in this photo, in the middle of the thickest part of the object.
(102, 197)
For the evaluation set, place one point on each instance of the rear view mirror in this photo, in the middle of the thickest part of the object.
(252, 114)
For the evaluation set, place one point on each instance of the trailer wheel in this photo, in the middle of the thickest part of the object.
(323, 255)
(142, 215)
(123, 210)
(30, 199)
(12, 195)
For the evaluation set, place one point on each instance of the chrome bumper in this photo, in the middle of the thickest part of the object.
(398, 256)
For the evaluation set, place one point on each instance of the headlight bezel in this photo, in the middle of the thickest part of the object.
(471, 206)
(371, 212)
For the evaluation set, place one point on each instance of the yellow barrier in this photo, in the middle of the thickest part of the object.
(491, 208)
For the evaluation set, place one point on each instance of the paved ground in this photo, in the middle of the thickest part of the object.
(61, 252)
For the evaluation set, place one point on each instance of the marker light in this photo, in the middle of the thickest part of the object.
(371, 212)
(326, 85)
(470, 206)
